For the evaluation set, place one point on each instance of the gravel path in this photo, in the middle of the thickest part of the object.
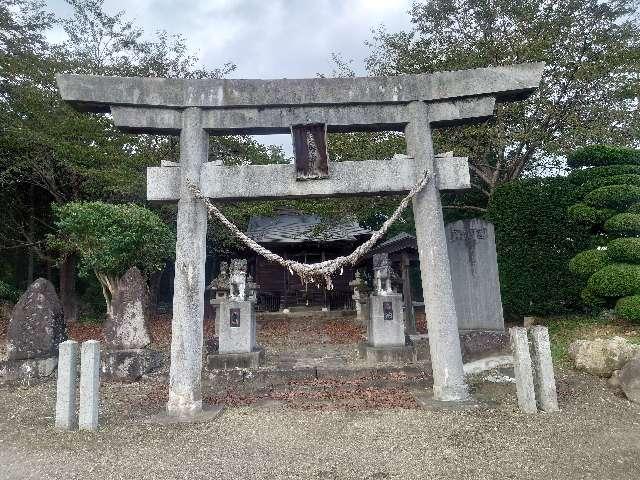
(597, 435)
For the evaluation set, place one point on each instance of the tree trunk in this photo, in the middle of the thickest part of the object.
(109, 285)
(68, 289)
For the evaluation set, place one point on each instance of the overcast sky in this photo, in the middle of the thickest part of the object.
(268, 38)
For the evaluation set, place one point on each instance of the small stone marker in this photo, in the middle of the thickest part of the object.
(523, 370)
(386, 325)
(473, 260)
(545, 381)
(89, 385)
(66, 414)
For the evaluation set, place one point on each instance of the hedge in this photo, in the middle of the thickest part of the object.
(616, 280)
(592, 300)
(618, 197)
(601, 155)
(624, 250)
(629, 179)
(589, 262)
(9, 292)
(535, 240)
(629, 308)
(623, 224)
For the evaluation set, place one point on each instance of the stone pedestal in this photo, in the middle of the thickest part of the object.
(386, 326)
(236, 337)
(386, 340)
(129, 365)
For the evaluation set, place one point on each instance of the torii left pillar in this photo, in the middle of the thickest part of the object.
(185, 389)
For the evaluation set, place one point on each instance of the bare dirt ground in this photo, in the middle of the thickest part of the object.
(596, 435)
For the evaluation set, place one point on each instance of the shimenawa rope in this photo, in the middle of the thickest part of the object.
(313, 272)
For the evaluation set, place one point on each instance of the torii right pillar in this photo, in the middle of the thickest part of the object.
(440, 310)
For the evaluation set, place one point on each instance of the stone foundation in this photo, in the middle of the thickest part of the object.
(32, 368)
(227, 361)
(387, 354)
(129, 365)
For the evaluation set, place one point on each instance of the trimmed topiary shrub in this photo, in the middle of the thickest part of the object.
(588, 262)
(608, 199)
(629, 308)
(624, 250)
(597, 155)
(587, 215)
(617, 197)
(616, 280)
(623, 224)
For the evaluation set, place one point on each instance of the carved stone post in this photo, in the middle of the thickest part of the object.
(185, 396)
(442, 322)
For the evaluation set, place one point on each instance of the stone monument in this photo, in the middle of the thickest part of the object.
(237, 346)
(219, 288)
(36, 327)
(126, 332)
(197, 108)
(474, 274)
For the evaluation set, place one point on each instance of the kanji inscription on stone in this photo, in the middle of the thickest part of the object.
(234, 317)
(387, 310)
(310, 149)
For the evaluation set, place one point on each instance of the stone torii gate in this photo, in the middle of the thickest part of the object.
(195, 109)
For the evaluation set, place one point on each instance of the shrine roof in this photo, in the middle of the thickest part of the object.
(289, 226)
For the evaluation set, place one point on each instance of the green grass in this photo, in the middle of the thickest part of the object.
(564, 330)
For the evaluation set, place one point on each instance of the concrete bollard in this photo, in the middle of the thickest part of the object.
(89, 385)
(522, 369)
(66, 414)
(544, 378)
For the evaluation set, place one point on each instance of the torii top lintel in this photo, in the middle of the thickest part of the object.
(99, 93)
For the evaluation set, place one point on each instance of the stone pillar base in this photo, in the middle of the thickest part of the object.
(228, 361)
(387, 354)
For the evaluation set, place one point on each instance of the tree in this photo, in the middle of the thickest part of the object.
(589, 91)
(108, 239)
(609, 204)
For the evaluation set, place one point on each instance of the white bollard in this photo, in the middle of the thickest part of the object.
(522, 369)
(89, 385)
(545, 381)
(66, 414)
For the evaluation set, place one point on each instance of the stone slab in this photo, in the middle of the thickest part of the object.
(97, 93)
(227, 361)
(207, 414)
(474, 274)
(129, 365)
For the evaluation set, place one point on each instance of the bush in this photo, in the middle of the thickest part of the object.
(589, 262)
(629, 308)
(635, 208)
(580, 177)
(618, 197)
(624, 250)
(587, 215)
(601, 155)
(623, 224)
(535, 241)
(616, 280)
